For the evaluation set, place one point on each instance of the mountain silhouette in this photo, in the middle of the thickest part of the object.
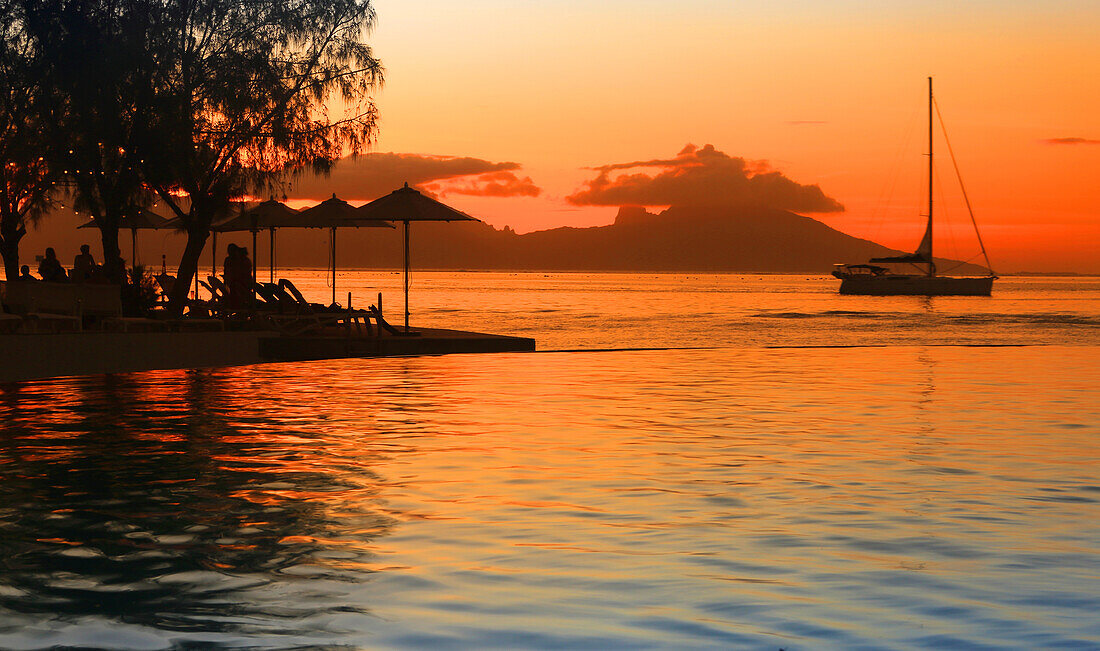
(681, 238)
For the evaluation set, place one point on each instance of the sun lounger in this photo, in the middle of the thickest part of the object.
(277, 296)
(263, 301)
(218, 291)
(213, 292)
(166, 283)
(295, 316)
(292, 291)
(359, 320)
(384, 325)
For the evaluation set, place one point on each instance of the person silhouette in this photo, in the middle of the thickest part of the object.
(240, 285)
(232, 272)
(25, 273)
(84, 266)
(50, 268)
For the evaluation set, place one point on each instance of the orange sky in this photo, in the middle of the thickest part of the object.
(827, 93)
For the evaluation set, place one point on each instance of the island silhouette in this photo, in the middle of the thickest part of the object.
(715, 238)
(680, 238)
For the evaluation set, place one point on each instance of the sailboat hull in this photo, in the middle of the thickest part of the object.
(887, 285)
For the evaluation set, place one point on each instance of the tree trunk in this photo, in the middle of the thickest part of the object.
(113, 266)
(189, 266)
(10, 234)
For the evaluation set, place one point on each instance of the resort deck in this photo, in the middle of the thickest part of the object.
(34, 356)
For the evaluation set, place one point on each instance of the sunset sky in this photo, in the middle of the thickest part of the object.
(531, 97)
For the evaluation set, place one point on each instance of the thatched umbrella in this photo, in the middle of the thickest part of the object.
(332, 214)
(267, 215)
(408, 205)
(139, 219)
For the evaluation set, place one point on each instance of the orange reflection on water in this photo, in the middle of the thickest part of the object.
(855, 494)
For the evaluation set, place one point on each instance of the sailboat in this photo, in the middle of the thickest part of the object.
(875, 280)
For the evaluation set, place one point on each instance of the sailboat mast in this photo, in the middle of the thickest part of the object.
(928, 232)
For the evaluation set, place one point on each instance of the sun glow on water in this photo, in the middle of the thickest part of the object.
(897, 494)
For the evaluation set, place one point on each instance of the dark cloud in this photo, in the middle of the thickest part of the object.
(701, 177)
(372, 175)
(1071, 141)
(490, 184)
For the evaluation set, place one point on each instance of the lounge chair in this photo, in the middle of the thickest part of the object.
(277, 296)
(166, 283)
(265, 300)
(213, 292)
(294, 315)
(384, 325)
(300, 300)
(219, 293)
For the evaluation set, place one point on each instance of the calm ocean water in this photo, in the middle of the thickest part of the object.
(772, 466)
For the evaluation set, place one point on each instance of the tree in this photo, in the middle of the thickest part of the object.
(95, 66)
(26, 179)
(241, 93)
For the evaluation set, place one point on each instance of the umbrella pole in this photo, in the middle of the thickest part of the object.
(214, 254)
(333, 244)
(406, 275)
(272, 254)
(255, 254)
(133, 247)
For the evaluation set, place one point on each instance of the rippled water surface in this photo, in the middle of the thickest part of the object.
(566, 311)
(902, 494)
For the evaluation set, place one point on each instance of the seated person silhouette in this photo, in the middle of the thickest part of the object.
(50, 268)
(25, 273)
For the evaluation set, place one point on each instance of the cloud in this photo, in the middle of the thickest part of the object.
(1071, 141)
(490, 184)
(701, 177)
(370, 176)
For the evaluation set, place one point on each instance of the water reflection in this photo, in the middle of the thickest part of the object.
(149, 499)
(566, 311)
(873, 497)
